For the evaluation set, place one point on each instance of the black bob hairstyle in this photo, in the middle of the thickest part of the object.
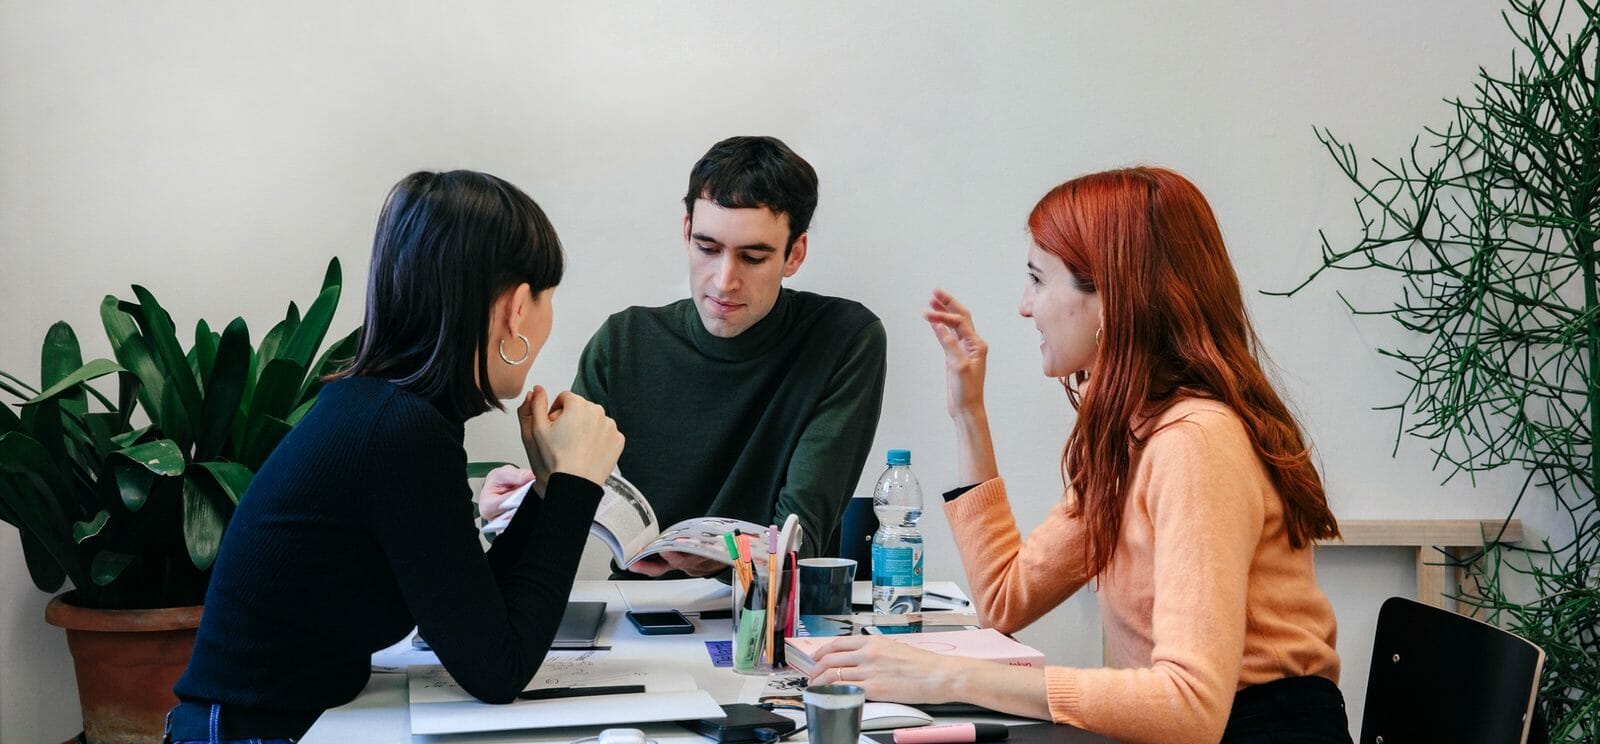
(447, 246)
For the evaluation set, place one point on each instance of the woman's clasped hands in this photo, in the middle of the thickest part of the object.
(571, 435)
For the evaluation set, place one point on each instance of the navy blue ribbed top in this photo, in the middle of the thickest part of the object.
(359, 527)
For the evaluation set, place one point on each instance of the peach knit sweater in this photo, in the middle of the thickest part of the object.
(1204, 596)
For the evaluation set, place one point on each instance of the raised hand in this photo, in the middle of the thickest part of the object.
(965, 353)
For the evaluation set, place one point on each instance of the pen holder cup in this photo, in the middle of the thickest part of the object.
(763, 615)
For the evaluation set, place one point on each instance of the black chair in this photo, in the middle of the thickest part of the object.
(1442, 677)
(855, 535)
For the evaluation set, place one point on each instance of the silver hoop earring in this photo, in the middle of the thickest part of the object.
(1097, 335)
(527, 351)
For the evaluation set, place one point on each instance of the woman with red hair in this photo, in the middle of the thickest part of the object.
(1191, 499)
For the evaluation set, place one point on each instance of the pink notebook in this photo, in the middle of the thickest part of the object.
(983, 643)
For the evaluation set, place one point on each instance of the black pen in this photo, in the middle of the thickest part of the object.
(552, 693)
(947, 597)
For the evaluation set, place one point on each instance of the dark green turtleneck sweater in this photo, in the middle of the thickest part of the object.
(776, 421)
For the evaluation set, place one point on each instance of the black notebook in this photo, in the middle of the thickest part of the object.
(580, 626)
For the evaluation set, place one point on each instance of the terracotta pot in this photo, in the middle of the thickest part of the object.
(127, 662)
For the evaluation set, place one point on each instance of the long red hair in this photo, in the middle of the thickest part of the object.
(1174, 326)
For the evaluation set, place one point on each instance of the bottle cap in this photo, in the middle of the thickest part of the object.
(899, 457)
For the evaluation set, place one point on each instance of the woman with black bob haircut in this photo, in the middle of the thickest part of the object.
(359, 526)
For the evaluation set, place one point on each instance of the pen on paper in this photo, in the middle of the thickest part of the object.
(552, 693)
(946, 597)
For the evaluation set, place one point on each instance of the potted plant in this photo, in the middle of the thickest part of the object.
(1491, 224)
(131, 508)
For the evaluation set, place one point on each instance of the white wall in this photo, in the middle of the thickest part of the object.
(219, 154)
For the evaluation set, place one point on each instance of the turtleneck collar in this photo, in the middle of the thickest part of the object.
(755, 341)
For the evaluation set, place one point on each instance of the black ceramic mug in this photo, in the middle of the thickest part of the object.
(825, 585)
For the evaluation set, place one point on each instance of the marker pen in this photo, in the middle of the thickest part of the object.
(952, 733)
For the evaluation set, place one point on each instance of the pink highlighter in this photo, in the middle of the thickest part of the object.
(952, 733)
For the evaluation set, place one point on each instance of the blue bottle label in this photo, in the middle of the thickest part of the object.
(896, 566)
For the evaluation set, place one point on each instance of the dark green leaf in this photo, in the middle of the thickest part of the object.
(128, 438)
(136, 469)
(102, 427)
(161, 457)
(46, 573)
(159, 331)
(225, 391)
(175, 418)
(233, 478)
(134, 483)
(58, 358)
(300, 412)
(131, 351)
(272, 344)
(35, 493)
(128, 387)
(481, 469)
(335, 358)
(307, 338)
(84, 530)
(203, 520)
(9, 420)
(204, 352)
(68, 385)
(107, 566)
(333, 276)
(7, 514)
(265, 433)
(18, 388)
(43, 422)
(277, 390)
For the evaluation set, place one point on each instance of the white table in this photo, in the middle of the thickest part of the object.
(381, 712)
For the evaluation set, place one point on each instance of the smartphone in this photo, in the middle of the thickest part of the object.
(741, 723)
(670, 622)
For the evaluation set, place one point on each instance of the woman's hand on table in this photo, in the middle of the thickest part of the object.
(890, 671)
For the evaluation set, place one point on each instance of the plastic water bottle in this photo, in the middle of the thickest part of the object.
(897, 545)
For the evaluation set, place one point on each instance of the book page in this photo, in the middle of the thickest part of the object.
(701, 536)
(624, 521)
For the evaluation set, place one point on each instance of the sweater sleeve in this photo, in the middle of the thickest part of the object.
(1015, 581)
(491, 625)
(1203, 498)
(834, 445)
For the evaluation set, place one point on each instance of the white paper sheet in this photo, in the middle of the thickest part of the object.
(861, 594)
(684, 595)
(439, 705)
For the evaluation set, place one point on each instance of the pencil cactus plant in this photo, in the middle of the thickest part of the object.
(1491, 224)
(131, 508)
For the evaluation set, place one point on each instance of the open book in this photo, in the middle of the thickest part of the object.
(626, 524)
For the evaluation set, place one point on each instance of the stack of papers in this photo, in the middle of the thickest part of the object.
(440, 706)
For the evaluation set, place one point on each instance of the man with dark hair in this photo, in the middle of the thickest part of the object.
(747, 399)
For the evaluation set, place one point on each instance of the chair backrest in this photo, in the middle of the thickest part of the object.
(1442, 677)
(855, 535)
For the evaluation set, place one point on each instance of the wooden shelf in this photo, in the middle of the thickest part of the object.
(1441, 546)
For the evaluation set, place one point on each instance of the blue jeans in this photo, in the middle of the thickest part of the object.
(214, 730)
